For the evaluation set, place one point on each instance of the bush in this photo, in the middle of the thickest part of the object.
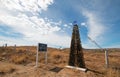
(7, 69)
(113, 72)
(18, 59)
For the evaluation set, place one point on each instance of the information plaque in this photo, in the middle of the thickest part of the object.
(42, 47)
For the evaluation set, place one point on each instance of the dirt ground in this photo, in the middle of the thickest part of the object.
(21, 63)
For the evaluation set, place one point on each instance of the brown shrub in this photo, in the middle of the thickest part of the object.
(7, 69)
(113, 73)
(57, 59)
(18, 59)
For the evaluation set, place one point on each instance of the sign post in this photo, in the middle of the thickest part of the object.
(37, 57)
(42, 48)
(45, 57)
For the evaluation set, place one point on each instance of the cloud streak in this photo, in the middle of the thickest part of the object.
(93, 21)
(33, 6)
(94, 25)
(24, 18)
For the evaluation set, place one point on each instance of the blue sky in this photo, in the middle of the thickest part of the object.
(27, 22)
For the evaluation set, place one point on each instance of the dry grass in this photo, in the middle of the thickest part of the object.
(18, 59)
(58, 57)
(6, 69)
(94, 60)
(113, 72)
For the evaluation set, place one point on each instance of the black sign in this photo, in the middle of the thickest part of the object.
(42, 47)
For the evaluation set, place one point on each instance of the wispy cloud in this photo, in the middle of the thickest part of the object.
(24, 18)
(32, 6)
(96, 29)
(33, 21)
(93, 21)
(94, 25)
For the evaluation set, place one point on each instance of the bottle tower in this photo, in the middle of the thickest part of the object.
(76, 57)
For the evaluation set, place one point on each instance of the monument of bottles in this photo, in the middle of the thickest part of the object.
(76, 57)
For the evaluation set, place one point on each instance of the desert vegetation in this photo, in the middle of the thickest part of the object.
(20, 62)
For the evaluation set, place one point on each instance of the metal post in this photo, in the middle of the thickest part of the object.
(37, 57)
(3, 45)
(15, 48)
(27, 49)
(46, 57)
(106, 59)
(6, 45)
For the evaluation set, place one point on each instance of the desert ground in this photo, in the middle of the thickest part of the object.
(20, 62)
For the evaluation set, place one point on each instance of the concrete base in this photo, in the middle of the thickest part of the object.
(77, 68)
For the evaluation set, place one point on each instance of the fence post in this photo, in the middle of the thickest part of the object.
(106, 59)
